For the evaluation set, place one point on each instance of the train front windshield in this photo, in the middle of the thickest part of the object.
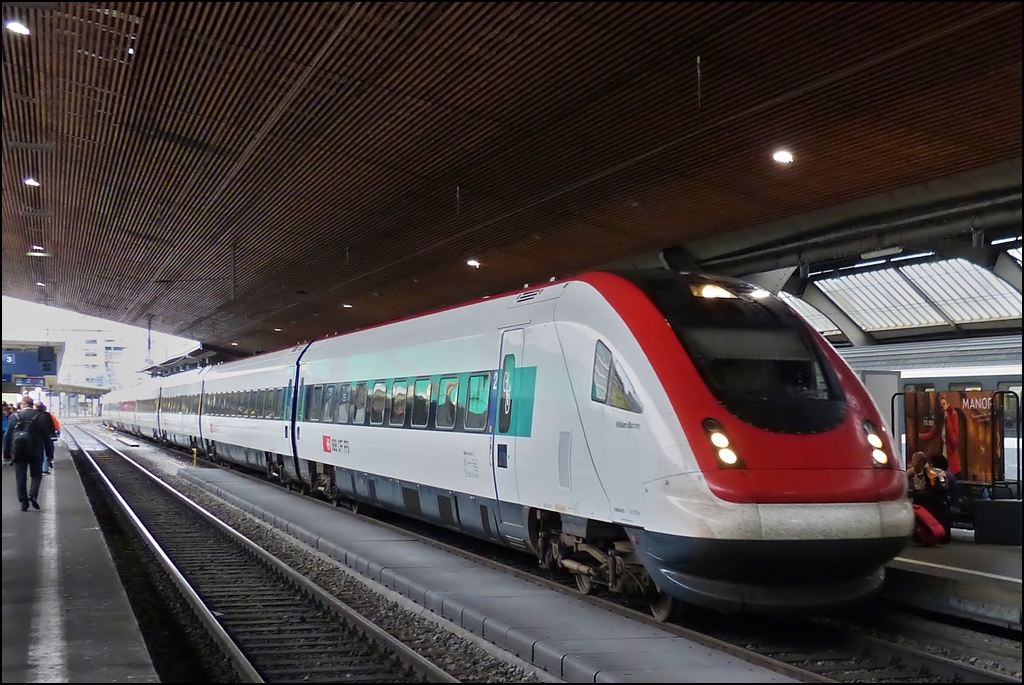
(753, 352)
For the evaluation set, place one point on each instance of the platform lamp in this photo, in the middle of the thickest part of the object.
(977, 237)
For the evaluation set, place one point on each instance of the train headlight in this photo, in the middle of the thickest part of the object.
(721, 445)
(711, 291)
(875, 440)
(727, 456)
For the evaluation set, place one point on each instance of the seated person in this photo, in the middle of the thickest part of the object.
(928, 487)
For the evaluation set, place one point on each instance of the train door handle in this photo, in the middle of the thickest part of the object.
(298, 432)
(286, 431)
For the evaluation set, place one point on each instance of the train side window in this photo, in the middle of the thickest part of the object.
(359, 399)
(421, 403)
(377, 402)
(602, 373)
(399, 401)
(279, 403)
(448, 402)
(327, 415)
(261, 401)
(317, 402)
(477, 401)
(268, 408)
(966, 387)
(911, 388)
(249, 397)
(344, 400)
(1010, 404)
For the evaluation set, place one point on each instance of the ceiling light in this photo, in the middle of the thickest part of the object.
(38, 247)
(17, 27)
(40, 284)
(760, 294)
(34, 253)
(31, 182)
(473, 263)
(884, 252)
(783, 156)
(235, 344)
(277, 330)
(347, 306)
(131, 51)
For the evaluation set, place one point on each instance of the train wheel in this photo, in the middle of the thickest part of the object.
(584, 584)
(663, 607)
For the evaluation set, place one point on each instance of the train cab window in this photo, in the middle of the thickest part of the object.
(377, 402)
(327, 414)
(447, 402)
(911, 388)
(421, 403)
(344, 400)
(399, 401)
(965, 387)
(477, 400)
(602, 372)
(359, 399)
(279, 403)
(610, 385)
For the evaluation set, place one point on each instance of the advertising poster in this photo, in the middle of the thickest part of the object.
(964, 427)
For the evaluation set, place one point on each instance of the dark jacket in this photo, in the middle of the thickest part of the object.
(36, 428)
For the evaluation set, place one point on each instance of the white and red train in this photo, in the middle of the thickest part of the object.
(682, 436)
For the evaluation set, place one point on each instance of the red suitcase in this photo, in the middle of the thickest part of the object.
(927, 530)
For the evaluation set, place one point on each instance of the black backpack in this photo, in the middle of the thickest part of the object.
(23, 439)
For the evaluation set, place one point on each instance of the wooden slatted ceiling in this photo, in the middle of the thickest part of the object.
(360, 153)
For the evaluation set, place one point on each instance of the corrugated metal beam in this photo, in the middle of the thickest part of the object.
(816, 297)
(1007, 268)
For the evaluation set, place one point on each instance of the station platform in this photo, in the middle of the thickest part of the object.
(66, 617)
(563, 635)
(979, 582)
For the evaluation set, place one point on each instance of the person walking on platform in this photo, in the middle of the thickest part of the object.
(23, 443)
(7, 414)
(48, 422)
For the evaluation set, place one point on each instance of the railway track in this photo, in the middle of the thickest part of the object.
(809, 650)
(273, 624)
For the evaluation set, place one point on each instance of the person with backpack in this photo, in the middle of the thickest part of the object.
(48, 422)
(23, 443)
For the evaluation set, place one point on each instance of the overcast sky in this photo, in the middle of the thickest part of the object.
(31, 321)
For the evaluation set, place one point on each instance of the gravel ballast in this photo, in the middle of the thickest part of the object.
(464, 655)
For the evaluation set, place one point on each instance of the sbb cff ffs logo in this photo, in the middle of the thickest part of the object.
(335, 445)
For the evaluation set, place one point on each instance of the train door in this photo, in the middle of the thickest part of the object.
(504, 458)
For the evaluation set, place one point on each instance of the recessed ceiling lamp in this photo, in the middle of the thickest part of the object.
(783, 156)
(347, 306)
(30, 182)
(40, 284)
(235, 344)
(473, 263)
(17, 27)
(131, 51)
(277, 330)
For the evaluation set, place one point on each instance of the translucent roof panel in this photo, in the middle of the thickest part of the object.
(821, 323)
(1015, 253)
(880, 300)
(965, 292)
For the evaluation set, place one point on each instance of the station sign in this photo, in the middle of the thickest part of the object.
(30, 381)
